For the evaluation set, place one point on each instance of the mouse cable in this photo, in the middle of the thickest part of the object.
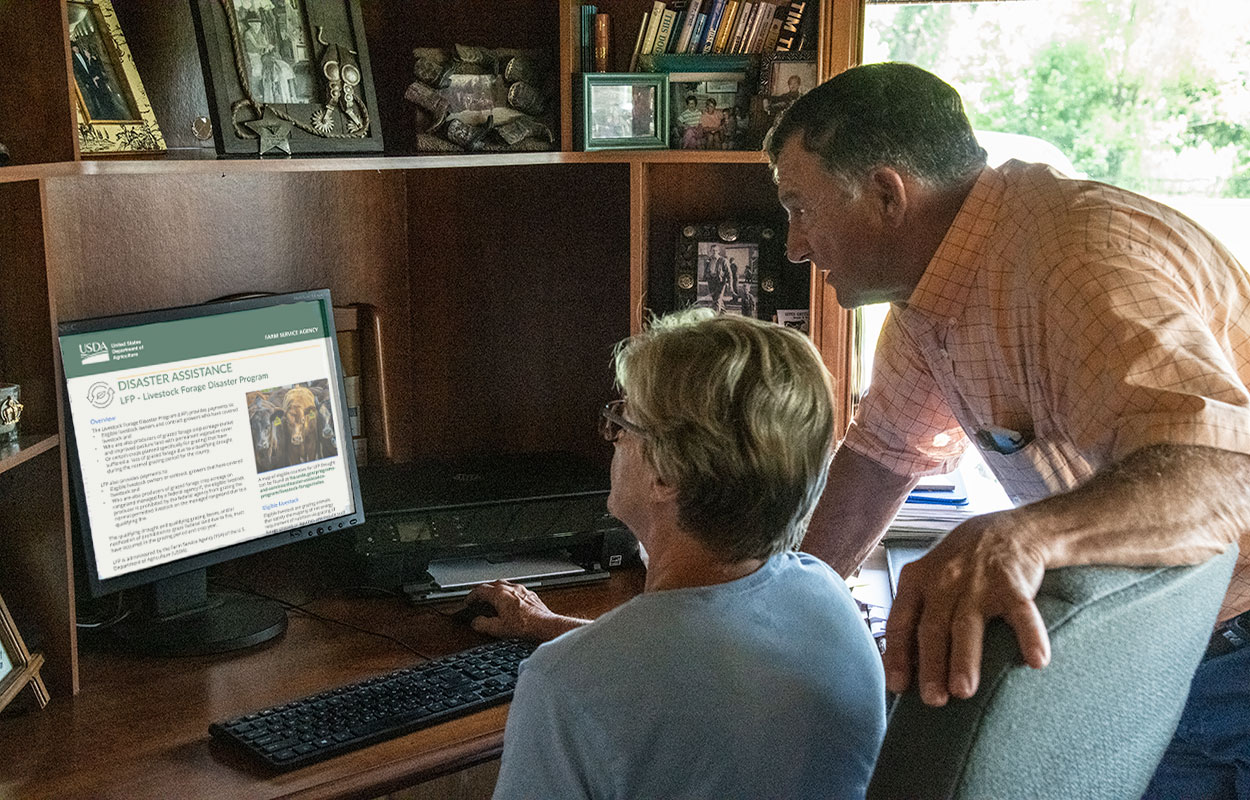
(301, 609)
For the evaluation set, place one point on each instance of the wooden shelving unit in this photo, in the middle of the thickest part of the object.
(501, 281)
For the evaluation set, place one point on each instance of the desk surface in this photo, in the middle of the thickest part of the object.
(139, 727)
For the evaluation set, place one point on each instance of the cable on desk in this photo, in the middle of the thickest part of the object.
(301, 609)
(120, 614)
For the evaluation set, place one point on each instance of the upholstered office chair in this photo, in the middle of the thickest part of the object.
(1094, 723)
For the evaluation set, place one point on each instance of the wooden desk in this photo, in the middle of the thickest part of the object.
(139, 727)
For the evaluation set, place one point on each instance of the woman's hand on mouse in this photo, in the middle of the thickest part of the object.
(520, 613)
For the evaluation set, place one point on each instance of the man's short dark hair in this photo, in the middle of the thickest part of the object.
(891, 114)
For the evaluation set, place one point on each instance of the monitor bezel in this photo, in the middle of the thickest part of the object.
(148, 575)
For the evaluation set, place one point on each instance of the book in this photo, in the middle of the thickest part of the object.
(762, 20)
(687, 27)
(587, 41)
(696, 38)
(602, 43)
(774, 28)
(678, 24)
(665, 31)
(808, 33)
(726, 26)
(788, 39)
(642, 30)
(653, 27)
(714, 18)
(748, 28)
(745, 10)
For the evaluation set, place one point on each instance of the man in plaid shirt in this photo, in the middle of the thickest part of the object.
(1093, 344)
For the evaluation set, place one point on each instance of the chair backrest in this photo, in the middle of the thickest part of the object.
(1094, 723)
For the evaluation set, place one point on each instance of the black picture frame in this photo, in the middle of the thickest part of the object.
(293, 78)
(777, 90)
(707, 254)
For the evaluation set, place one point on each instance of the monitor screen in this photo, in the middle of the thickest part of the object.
(203, 433)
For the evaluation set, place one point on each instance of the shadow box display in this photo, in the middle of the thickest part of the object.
(730, 268)
(478, 99)
(291, 77)
(114, 115)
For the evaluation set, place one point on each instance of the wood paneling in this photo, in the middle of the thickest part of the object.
(37, 119)
(26, 346)
(514, 321)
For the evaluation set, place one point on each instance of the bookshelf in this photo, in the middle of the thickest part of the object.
(500, 281)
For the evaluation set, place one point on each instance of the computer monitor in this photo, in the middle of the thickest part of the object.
(198, 435)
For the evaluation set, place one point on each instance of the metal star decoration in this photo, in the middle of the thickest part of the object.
(274, 132)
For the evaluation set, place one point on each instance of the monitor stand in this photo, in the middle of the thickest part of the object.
(178, 616)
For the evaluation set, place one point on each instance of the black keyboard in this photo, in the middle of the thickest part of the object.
(326, 724)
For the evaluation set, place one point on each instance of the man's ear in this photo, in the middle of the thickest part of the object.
(888, 192)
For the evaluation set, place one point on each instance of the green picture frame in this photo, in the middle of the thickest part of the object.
(624, 111)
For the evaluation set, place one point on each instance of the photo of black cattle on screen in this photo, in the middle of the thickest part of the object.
(291, 425)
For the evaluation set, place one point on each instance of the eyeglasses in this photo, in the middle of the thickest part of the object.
(612, 421)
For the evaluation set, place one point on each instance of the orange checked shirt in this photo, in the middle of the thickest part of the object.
(1087, 319)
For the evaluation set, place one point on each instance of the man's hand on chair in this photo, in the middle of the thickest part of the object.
(985, 568)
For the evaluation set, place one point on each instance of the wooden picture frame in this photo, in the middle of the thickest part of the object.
(292, 77)
(730, 268)
(19, 668)
(114, 115)
(624, 111)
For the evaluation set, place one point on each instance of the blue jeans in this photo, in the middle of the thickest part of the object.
(1209, 756)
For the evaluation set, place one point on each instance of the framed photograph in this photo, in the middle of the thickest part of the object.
(729, 268)
(624, 110)
(709, 111)
(287, 76)
(784, 78)
(114, 115)
(19, 669)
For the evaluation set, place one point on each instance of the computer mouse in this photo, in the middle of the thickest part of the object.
(476, 608)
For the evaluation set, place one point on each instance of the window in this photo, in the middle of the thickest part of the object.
(1149, 95)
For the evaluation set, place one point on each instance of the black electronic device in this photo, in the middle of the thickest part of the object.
(197, 435)
(439, 527)
(473, 610)
(323, 725)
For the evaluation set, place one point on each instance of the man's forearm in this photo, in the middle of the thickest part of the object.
(860, 499)
(1162, 505)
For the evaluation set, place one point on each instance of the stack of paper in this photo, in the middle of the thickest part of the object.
(938, 504)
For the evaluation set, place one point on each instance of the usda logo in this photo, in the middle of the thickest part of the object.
(93, 352)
